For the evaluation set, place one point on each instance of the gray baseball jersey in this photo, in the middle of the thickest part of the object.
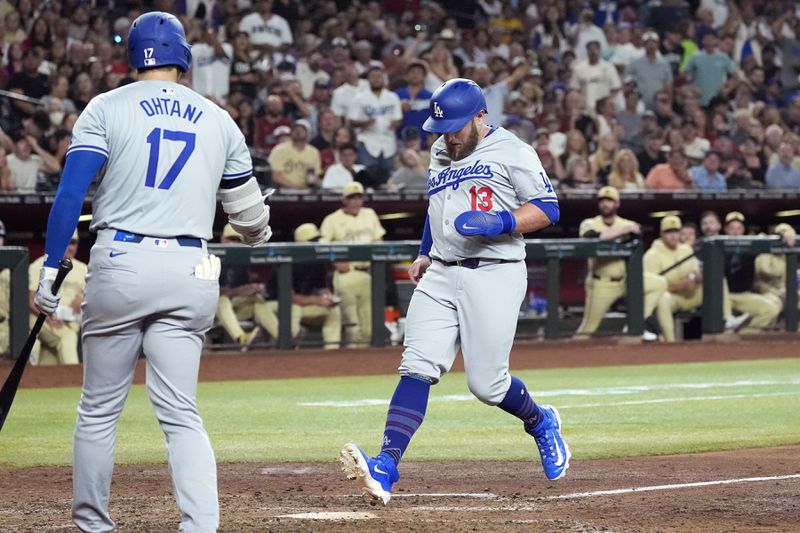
(502, 173)
(168, 148)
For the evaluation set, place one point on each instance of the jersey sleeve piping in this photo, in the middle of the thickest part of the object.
(237, 174)
(87, 148)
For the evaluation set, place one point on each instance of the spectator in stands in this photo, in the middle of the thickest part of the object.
(5, 294)
(753, 160)
(296, 164)
(651, 72)
(740, 273)
(600, 161)
(594, 77)
(363, 57)
(313, 302)
(625, 175)
(344, 171)
(376, 114)
(496, 92)
(58, 338)
(710, 224)
(310, 74)
(630, 117)
(576, 145)
(605, 279)
(60, 95)
(672, 175)
(578, 174)
(415, 98)
(265, 124)
(709, 69)
(27, 161)
(695, 146)
(346, 95)
(791, 115)
(327, 124)
(707, 177)
(782, 174)
(29, 81)
(211, 63)
(770, 275)
(586, 33)
(688, 234)
(352, 281)
(410, 174)
(242, 298)
(269, 32)
(6, 186)
(247, 66)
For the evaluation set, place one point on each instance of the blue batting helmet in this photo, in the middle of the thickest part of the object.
(454, 104)
(157, 39)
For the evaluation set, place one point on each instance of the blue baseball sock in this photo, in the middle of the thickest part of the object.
(406, 412)
(519, 403)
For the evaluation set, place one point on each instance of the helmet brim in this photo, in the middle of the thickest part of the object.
(434, 125)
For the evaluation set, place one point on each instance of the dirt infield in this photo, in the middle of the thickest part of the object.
(745, 490)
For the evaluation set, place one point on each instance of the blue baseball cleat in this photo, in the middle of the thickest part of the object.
(554, 451)
(376, 475)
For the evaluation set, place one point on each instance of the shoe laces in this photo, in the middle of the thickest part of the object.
(547, 446)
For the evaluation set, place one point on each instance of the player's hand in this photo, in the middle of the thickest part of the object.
(342, 267)
(471, 223)
(418, 268)
(45, 301)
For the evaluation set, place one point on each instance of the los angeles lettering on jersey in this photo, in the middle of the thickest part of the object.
(449, 177)
(170, 107)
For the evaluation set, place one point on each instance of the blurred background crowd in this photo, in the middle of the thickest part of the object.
(659, 94)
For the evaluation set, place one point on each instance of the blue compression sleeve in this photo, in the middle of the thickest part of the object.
(549, 207)
(427, 239)
(79, 171)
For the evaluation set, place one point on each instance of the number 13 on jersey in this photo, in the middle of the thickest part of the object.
(154, 140)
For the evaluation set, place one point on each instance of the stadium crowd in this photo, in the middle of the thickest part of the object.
(667, 94)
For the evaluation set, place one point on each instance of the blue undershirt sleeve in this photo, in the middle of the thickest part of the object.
(549, 207)
(79, 170)
(427, 239)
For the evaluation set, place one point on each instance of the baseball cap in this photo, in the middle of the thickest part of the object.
(282, 130)
(302, 122)
(339, 41)
(734, 215)
(352, 188)
(649, 113)
(306, 232)
(782, 228)
(229, 233)
(363, 44)
(608, 192)
(650, 36)
(447, 34)
(670, 223)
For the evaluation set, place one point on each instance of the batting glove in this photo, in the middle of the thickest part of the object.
(471, 223)
(208, 268)
(45, 301)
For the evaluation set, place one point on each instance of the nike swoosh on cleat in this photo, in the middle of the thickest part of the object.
(379, 471)
(560, 455)
(115, 254)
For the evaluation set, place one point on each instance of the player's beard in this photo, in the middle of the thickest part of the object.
(461, 151)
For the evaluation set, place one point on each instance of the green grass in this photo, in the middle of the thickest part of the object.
(607, 412)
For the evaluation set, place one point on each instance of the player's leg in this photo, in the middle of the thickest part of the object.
(764, 309)
(266, 315)
(343, 286)
(600, 295)
(172, 346)
(488, 308)
(67, 350)
(331, 319)
(654, 288)
(230, 322)
(665, 318)
(431, 344)
(363, 291)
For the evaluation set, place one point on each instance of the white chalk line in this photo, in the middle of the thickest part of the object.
(683, 399)
(476, 495)
(673, 486)
(331, 515)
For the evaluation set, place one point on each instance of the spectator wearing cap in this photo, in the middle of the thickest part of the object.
(594, 77)
(376, 114)
(709, 69)
(651, 72)
(309, 73)
(740, 275)
(269, 32)
(338, 56)
(272, 118)
(344, 170)
(586, 32)
(344, 97)
(782, 174)
(363, 57)
(625, 52)
(352, 281)
(415, 99)
(707, 177)
(296, 164)
(672, 175)
(651, 155)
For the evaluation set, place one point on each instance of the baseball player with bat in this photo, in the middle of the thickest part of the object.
(161, 153)
(486, 188)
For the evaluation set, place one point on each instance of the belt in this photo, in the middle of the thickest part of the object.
(475, 262)
(601, 278)
(135, 238)
(361, 269)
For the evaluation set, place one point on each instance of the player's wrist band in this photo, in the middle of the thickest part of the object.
(508, 220)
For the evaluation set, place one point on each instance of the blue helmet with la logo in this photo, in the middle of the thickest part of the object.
(157, 39)
(454, 104)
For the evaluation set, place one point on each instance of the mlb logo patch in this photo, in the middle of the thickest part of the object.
(160, 243)
(168, 90)
(150, 62)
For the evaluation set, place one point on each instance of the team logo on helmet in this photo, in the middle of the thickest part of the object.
(437, 111)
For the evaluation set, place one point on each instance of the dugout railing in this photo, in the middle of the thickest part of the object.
(551, 251)
(16, 259)
(713, 253)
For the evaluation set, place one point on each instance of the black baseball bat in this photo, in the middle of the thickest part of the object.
(678, 263)
(11, 385)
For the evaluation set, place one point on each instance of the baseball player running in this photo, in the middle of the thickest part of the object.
(162, 152)
(485, 188)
